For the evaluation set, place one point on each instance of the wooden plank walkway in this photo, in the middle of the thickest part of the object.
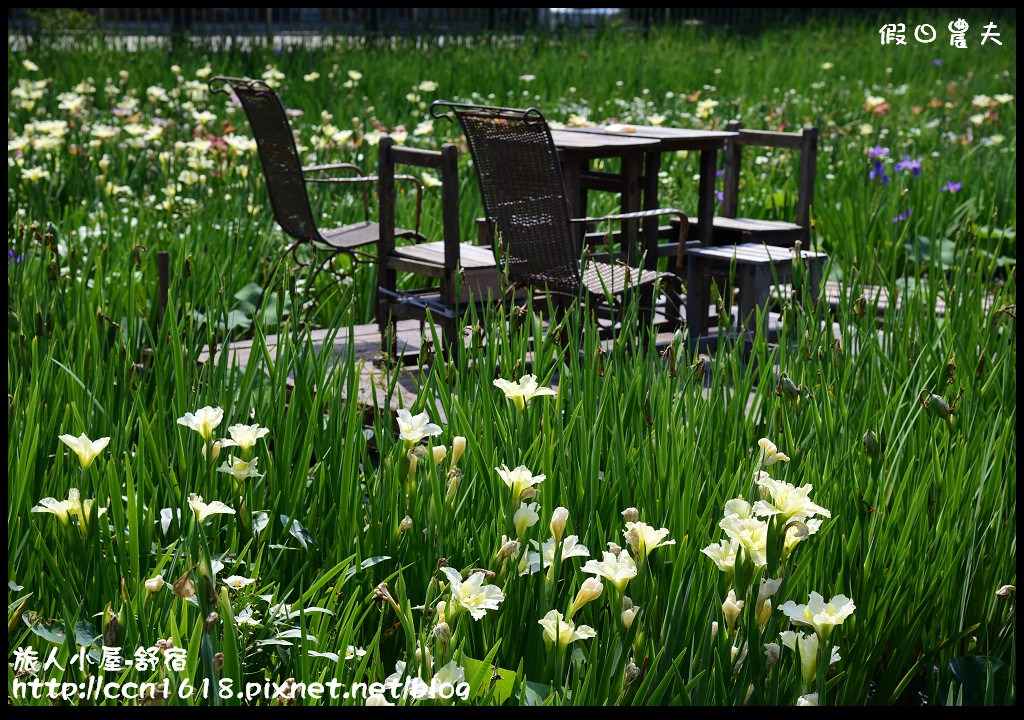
(374, 381)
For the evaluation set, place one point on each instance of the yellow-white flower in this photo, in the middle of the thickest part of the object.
(750, 533)
(787, 501)
(54, 507)
(451, 674)
(35, 174)
(807, 645)
(724, 554)
(560, 632)
(29, 65)
(310, 77)
(820, 615)
(203, 511)
(413, 428)
(427, 86)
(519, 480)
(797, 532)
(155, 584)
(616, 569)
(643, 539)
(810, 700)
(204, 421)
(240, 469)
(525, 517)
(84, 448)
(244, 436)
(591, 589)
(377, 700)
(237, 582)
(471, 595)
(545, 555)
(355, 75)
(522, 391)
(1003, 98)
(770, 453)
(72, 507)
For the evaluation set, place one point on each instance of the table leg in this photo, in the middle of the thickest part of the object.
(696, 299)
(631, 185)
(571, 173)
(652, 167)
(706, 196)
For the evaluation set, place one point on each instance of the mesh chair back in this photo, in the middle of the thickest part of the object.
(282, 168)
(523, 193)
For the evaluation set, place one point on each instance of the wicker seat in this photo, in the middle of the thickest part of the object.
(287, 181)
(526, 205)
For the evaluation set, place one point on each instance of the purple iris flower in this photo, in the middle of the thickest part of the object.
(719, 173)
(952, 187)
(903, 215)
(914, 166)
(13, 257)
(294, 112)
(719, 196)
(878, 172)
(877, 151)
(936, 62)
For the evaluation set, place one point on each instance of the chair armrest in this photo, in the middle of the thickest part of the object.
(334, 166)
(684, 226)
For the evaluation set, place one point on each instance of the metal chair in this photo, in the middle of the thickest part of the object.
(526, 205)
(286, 181)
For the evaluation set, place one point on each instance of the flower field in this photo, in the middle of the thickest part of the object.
(829, 520)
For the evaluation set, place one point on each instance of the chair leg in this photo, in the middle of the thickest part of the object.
(696, 299)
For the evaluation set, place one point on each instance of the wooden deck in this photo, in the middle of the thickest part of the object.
(364, 342)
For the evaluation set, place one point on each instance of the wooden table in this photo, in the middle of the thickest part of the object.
(667, 139)
(576, 149)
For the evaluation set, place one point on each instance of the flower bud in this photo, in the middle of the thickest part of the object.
(414, 460)
(870, 442)
(787, 388)
(218, 661)
(627, 602)
(405, 525)
(631, 514)
(628, 616)
(508, 548)
(771, 653)
(454, 478)
(591, 589)
(155, 584)
(731, 609)
(558, 519)
(214, 450)
(528, 493)
(458, 449)
(442, 632)
(764, 613)
(632, 672)
(1006, 591)
(440, 453)
(211, 620)
(714, 630)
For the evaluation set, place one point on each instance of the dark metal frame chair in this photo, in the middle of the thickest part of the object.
(526, 205)
(286, 181)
